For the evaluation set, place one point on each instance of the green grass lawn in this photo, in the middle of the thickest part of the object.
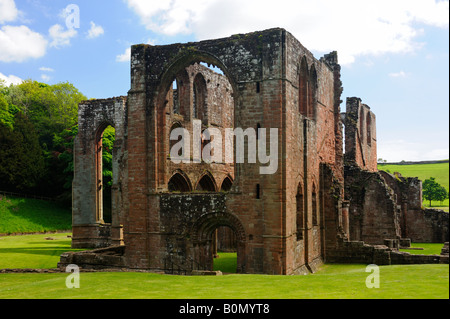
(439, 171)
(333, 281)
(24, 215)
(226, 262)
(428, 249)
(33, 251)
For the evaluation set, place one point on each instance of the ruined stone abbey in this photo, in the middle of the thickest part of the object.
(326, 201)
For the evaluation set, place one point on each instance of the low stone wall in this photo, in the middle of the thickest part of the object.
(105, 258)
(404, 258)
(445, 249)
(359, 252)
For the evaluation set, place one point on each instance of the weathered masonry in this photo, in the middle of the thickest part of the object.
(168, 214)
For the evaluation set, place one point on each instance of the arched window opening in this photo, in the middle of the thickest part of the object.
(226, 184)
(369, 129)
(178, 95)
(182, 94)
(303, 88)
(361, 124)
(206, 184)
(176, 98)
(312, 88)
(194, 103)
(300, 212)
(179, 183)
(172, 143)
(224, 250)
(206, 139)
(104, 163)
(199, 99)
(204, 92)
(315, 212)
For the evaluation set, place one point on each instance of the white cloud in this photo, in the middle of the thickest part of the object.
(45, 77)
(400, 74)
(19, 43)
(125, 57)
(352, 27)
(45, 69)
(95, 31)
(59, 36)
(8, 11)
(399, 150)
(11, 79)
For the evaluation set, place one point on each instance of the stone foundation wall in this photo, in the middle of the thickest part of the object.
(361, 253)
(373, 213)
(417, 223)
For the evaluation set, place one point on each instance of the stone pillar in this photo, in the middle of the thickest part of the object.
(345, 218)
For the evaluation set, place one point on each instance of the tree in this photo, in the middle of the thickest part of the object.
(6, 118)
(442, 194)
(51, 108)
(21, 160)
(107, 154)
(57, 181)
(50, 113)
(433, 191)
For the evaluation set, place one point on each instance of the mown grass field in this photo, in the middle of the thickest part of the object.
(333, 281)
(440, 171)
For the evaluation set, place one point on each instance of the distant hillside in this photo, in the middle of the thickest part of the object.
(422, 170)
(416, 163)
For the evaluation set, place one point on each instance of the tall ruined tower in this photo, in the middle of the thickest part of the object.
(284, 213)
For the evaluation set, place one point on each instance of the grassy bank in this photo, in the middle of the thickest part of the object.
(25, 215)
(440, 171)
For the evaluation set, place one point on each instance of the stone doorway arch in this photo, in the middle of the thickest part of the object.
(203, 235)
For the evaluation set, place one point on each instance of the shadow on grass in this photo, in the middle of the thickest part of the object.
(53, 251)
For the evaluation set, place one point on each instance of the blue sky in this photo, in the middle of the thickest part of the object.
(394, 53)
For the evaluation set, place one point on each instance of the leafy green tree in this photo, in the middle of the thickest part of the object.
(21, 160)
(51, 108)
(107, 154)
(442, 194)
(433, 191)
(107, 148)
(51, 111)
(57, 181)
(6, 118)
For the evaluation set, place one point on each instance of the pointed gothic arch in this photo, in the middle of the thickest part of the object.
(179, 182)
(206, 183)
(227, 183)
(303, 87)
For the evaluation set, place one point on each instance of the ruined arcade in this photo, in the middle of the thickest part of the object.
(168, 214)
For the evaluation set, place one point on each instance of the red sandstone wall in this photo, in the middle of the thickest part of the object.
(360, 135)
